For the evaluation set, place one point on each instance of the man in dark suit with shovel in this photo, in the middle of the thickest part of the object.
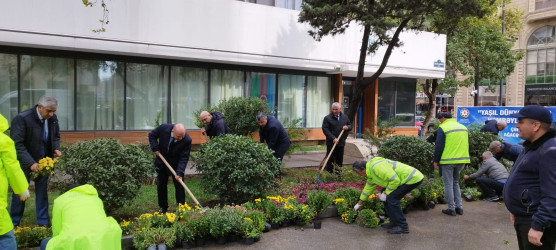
(332, 126)
(174, 144)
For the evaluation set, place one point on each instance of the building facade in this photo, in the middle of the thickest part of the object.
(158, 63)
(533, 80)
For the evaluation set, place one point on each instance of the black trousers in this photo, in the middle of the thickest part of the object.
(522, 226)
(490, 187)
(336, 157)
(162, 188)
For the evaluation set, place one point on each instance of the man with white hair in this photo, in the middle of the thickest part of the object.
(492, 185)
(494, 126)
(36, 135)
(332, 125)
(506, 150)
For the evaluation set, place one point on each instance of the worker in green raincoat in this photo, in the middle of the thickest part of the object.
(397, 179)
(10, 173)
(79, 222)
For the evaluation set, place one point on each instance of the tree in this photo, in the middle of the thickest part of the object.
(384, 20)
(105, 12)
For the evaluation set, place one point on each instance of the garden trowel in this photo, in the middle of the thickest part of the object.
(323, 163)
(181, 182)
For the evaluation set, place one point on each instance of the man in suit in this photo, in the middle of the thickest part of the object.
(170, 141)
(273, 133)
(332, 126)
(36, 135)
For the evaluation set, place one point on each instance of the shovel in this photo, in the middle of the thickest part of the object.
(181, 182)
(323, 163)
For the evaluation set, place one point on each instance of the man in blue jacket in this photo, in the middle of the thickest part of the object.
(494, 126)
(529, 192)
(214, 124)
(170, 141)
(506, 150)
(273, 133)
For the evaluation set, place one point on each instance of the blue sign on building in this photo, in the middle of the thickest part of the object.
(438, 64)
(478, 115)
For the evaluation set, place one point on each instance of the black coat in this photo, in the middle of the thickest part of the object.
(26, 131)
(332, 128)
(273, 133)
(217, 126)
(179, 153)
(490, 126)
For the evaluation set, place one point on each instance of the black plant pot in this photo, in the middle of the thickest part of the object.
(285, 223)
(431, 204)
(266, 227)
(151, 247)
(249, 241)
(317, 224)
(299, 223)
(381, 219)
(468, 197)
(187, 245)
(274, 225)
(257, 239)
(200, 242)
(233, 238)
(221, 240)
(442, 200)
(161, 246)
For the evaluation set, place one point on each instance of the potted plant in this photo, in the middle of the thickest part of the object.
(472, 194)
(185, 233)
(303, 214)
(367, 218)
(199, 224)
(319, 201)
(249, 231)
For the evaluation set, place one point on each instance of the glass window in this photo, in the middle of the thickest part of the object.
(225, 84)
(397, 99)
(291, 91)
(100, 95)
(263, 85)
(49, 76)
(189, 92)
(544, 4)
(319, 100)
(146, 96)
(541, 56)
(8, 86)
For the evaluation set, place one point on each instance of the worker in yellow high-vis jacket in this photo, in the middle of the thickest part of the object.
(10, 173)
(398, 179)
(451, 153)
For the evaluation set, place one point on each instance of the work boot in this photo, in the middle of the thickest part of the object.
(162, 210)
(493, 198)
(459, 210)
(449, 212)
(388, 225)
(398, 230)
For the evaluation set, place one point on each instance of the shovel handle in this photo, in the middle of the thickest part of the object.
(180, 181)
(332, 150)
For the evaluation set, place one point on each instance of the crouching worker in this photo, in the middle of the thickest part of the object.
(79, 222)
(496, 175)
(398, 179)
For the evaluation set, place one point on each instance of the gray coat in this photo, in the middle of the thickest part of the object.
(493, 169)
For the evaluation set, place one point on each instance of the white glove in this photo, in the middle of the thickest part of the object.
(24, 196)
(357, 206)
(382, 196)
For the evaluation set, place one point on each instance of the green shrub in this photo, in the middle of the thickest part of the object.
(114, 169)
(239, 114)
(479, 142)
(258, 219)
(184, 232)
(31, 236)
(472, 194)
(222, 221)
(350, 196)
(235, 168)
(318, 200)
(154, 236)
(409, 150)
(367, 218)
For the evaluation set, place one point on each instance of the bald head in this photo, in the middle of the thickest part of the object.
(501, 125)
(205, 117)
(178, 131)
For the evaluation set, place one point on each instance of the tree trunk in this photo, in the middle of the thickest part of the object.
(430, 89)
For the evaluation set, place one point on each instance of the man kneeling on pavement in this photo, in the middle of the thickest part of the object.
(492, 185)
(398, 179)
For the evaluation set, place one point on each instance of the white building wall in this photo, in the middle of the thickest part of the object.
(223, 31)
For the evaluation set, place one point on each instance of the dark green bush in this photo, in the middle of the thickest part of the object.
(235, 168)
(479, 142)
(239, 114)
(409, 150)
(114, 169)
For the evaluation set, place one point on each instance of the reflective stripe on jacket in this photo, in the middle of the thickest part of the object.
(389, 174)
(456, 146)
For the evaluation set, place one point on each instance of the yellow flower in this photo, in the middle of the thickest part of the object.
(171, 217)
(258, 200)
(336, 201)
(248, 219)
